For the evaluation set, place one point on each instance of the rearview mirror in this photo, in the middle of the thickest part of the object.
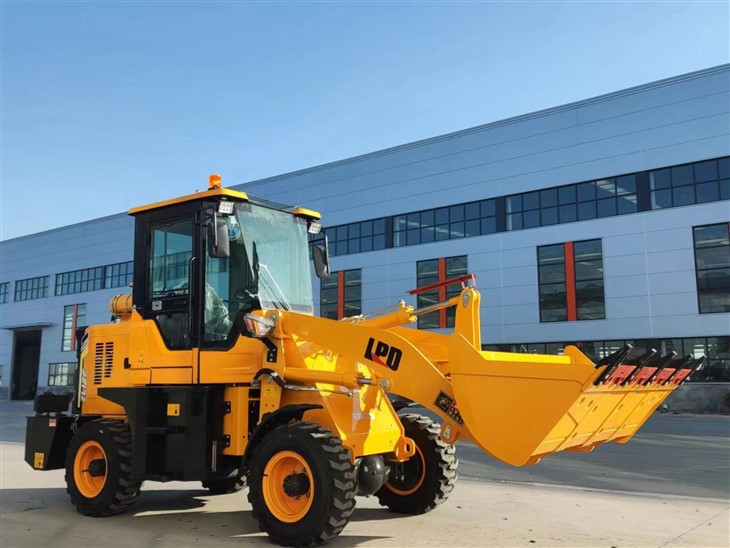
(321, 260)
(218, 241)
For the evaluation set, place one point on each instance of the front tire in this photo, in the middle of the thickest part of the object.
(301, 485)
(426, 480)
(99, 469)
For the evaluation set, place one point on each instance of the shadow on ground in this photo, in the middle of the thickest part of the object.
(159, 514)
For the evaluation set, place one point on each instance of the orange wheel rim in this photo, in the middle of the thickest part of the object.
(288, 486)
(416, 466)
(88, 485)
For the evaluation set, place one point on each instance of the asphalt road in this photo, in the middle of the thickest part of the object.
(684, 455)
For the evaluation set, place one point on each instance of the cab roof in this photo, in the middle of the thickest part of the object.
(215, 190)
(212, 193)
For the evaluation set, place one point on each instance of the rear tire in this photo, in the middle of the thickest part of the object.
(99, 469)
(301, 485)
(425, 480)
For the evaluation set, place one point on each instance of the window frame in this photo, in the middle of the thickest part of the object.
(68, 370)
(38, 289)
(68, 332)
(444, 271)
(338, 284)
(699, 270)
(79, 281)
(571, 281)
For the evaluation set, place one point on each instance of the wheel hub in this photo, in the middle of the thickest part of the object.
(97, 468)
(296, 485)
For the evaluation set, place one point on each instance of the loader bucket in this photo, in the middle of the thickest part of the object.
(522, 407)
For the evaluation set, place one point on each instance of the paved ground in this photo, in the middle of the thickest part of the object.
(693, 455)
(687, 455)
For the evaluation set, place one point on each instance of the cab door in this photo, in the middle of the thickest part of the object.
(228, 292)
(165, 291)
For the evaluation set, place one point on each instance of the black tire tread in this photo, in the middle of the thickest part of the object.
(446, 469)
(344, 476)
(126, 489)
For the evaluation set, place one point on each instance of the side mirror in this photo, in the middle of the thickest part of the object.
(321, 260)
(219, 245)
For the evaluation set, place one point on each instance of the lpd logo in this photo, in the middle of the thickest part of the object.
(391, 354)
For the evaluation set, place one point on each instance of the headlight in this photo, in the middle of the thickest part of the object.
(258, 326)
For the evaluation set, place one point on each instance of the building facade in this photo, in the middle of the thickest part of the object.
(596, 223)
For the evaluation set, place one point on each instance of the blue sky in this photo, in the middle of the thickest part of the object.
(108, 105)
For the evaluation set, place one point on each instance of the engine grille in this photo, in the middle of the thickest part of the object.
(103, 361)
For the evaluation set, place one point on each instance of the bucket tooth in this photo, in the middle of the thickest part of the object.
(611, 362)
(673, 368)
(660, 363)
(690, 367)
(644, 358)
(640, 362)
(620, 374)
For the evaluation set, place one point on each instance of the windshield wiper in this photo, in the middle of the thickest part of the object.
(271, 288)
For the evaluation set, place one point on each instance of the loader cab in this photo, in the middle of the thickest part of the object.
(205, 260)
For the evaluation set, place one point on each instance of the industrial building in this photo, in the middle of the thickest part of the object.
(595, 223)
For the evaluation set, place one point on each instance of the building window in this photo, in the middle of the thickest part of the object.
(712, 265)
(570, 281)
(31, 288)
(118, 275)
(707, 181)
(340, 295)
(61, 374)
(74, 316)
(590, 301)
(357, 237)
(4, 291)
(551, 283)
(80, 281)
(433, 271)
(566, 204)
(445, 223)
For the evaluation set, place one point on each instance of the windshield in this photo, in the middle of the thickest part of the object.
(278, 252)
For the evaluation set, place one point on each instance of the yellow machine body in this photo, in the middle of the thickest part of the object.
(518, 408)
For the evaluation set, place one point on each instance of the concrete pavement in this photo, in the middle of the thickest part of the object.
(35, 511)
(493, 511)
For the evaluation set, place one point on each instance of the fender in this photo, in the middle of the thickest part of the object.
(270, 421)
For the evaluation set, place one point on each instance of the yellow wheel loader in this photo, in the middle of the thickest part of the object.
(215, 370)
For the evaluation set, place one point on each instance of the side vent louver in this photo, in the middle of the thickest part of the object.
(103, 361)
(98, 361)
(108, 359)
